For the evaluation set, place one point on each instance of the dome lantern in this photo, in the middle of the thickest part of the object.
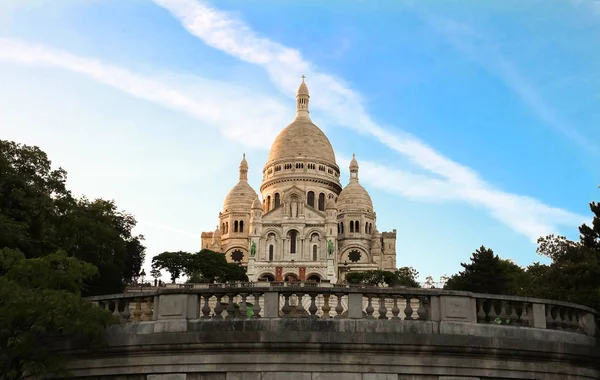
(302, 99)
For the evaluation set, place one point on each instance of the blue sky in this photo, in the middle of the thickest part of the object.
(474, 123)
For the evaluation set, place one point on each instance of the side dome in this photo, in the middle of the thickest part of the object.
(354, 197)
(242, 195)
(240, 198)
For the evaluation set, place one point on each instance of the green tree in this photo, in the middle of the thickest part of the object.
(39, 216)
(405, 276)
(40, 302)
(176, 263)
(487, 273)
(208, 266)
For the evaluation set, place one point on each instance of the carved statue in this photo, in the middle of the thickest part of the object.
(294, 209)
(252, 249)
(330, 247)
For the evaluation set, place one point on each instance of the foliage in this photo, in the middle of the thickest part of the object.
(208, 266)
(574, 273)
(175, 263)
(405, 276)
(39, 216)
(40, 301)
(487, 273)
(205, 266)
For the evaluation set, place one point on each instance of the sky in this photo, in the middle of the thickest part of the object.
(474, 123)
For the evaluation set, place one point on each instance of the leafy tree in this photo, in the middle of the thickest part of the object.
(39, 216)
(487, 273)
(209, 266)
(574, 274)
(176, 263)
(405, 276)
(40, 302)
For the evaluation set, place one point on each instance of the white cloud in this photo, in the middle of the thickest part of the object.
(221, 110)
(245, 116)
(344, 105)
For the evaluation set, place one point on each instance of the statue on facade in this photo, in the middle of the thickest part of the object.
(252, 249)
(330, 247)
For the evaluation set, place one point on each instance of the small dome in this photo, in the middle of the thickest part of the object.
(217, 232)
(256, 204)
(303, 89)
(240, 198)
(354, 197)
(330, 204)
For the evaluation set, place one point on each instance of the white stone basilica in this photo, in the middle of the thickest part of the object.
(306, 227)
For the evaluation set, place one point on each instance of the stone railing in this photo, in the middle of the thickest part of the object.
(310, 300)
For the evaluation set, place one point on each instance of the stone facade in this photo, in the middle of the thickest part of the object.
(307, 226)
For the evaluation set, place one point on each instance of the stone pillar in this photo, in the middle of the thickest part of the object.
(355, 305)
(538, 317)
(271, 305)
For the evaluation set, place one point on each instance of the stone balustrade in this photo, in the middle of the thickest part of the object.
(242, 301)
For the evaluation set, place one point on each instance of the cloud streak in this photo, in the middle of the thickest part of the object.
(452, 182)
(344, 106)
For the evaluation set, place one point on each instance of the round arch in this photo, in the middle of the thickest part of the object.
(355, 254)
(237, 254)
(266, 276)
(315, 277)
(290, 277)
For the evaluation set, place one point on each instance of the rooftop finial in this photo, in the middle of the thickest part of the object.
(302, 99)
(244, 168)
(353, 168)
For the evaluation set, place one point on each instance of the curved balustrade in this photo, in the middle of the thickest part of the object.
(311, 300)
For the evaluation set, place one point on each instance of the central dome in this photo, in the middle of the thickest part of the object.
(301, 138)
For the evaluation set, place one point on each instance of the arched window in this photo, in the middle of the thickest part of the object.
(356, 226)
(270, 252)
(310, 198)
(226, 227)
(277, 200)
(223, 228)
(241, 226)
(235, 226)
(315, 252)
(322, 202)
(366, 227)
(293, 235)
(339, 230)
(351, 226)
(342, 226)
(370, 227)
(268, 204)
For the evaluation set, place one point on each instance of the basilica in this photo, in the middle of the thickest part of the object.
(307, 226)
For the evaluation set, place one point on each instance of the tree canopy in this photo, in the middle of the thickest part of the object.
(405, 276)
(202, 267)
(487, 273)
(39, 301)
(39, 216)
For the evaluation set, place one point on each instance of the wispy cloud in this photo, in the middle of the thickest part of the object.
(480, 50)
(344, 105)
(218, 104)
(452, 182)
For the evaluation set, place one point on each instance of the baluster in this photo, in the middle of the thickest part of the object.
(125, 314)
(206, 307)
(370, 309)
(230, 306)
(115, 312)
(286, 309)
(549, 318)
(243, 306)
(513, 317)
(480, 312)
(326, 308)
(423, 307)
(503, 315)
(408, 310)
(218, 308)
(148, 313)
(558, 320)
(382, 309)
(492, 314)
(137, 313)
(524, 319)
(256, 307)
(395, 308)
(312, 309)
(339, 309)
(300, 312)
